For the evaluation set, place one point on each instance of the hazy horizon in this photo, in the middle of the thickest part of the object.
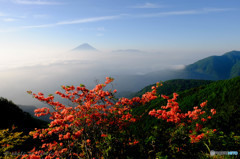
(86, 67)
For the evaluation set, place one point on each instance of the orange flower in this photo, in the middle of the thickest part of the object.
(203, 104)
(213, 111)
(67, 136)
(88, 141)
(104, 135)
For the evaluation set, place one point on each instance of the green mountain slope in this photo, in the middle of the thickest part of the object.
(11, 114)
(223, 95)
(222, 67)
(175, 85)
(217, 67)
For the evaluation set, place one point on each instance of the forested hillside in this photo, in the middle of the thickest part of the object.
(11, 114)
(175, 85)
(223, 95)
(217, 67)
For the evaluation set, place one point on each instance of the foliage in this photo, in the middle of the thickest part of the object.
(176, 85)
(185, 128)
(221, 95)
(97, 125)
(235, 71)
(9, 139)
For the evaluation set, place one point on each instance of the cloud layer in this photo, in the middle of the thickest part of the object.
(73, 68)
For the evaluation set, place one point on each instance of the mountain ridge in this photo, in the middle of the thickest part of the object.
(216, 67)
(84, 47)
(174, 85)
(209, 68)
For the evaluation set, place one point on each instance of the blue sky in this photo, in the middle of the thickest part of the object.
(163, 25)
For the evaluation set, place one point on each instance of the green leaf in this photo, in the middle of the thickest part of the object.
(82, 85)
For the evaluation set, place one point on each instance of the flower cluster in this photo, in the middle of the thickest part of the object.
(95, 123)
(172, 113)
(80, 129)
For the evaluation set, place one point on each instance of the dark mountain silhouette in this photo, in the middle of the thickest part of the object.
(30, 109)
(11, 114)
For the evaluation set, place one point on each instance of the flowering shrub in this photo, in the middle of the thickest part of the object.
(95, 127)
(188, 126)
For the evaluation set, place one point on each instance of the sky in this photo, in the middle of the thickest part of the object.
(163, 25)
(35, 36)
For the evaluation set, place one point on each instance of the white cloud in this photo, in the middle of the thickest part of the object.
(36, 2)
(147, 5)
(183, 12)
(217, 9)
(37, 26)
(170, 13)
(70, 22)
(177, 67)
(47, 74)
(78, 21)
(88, 20)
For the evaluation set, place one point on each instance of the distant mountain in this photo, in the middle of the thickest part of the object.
(217, 67)
(84, 47)
(11, 114)
(211, 68)
(30, 109)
